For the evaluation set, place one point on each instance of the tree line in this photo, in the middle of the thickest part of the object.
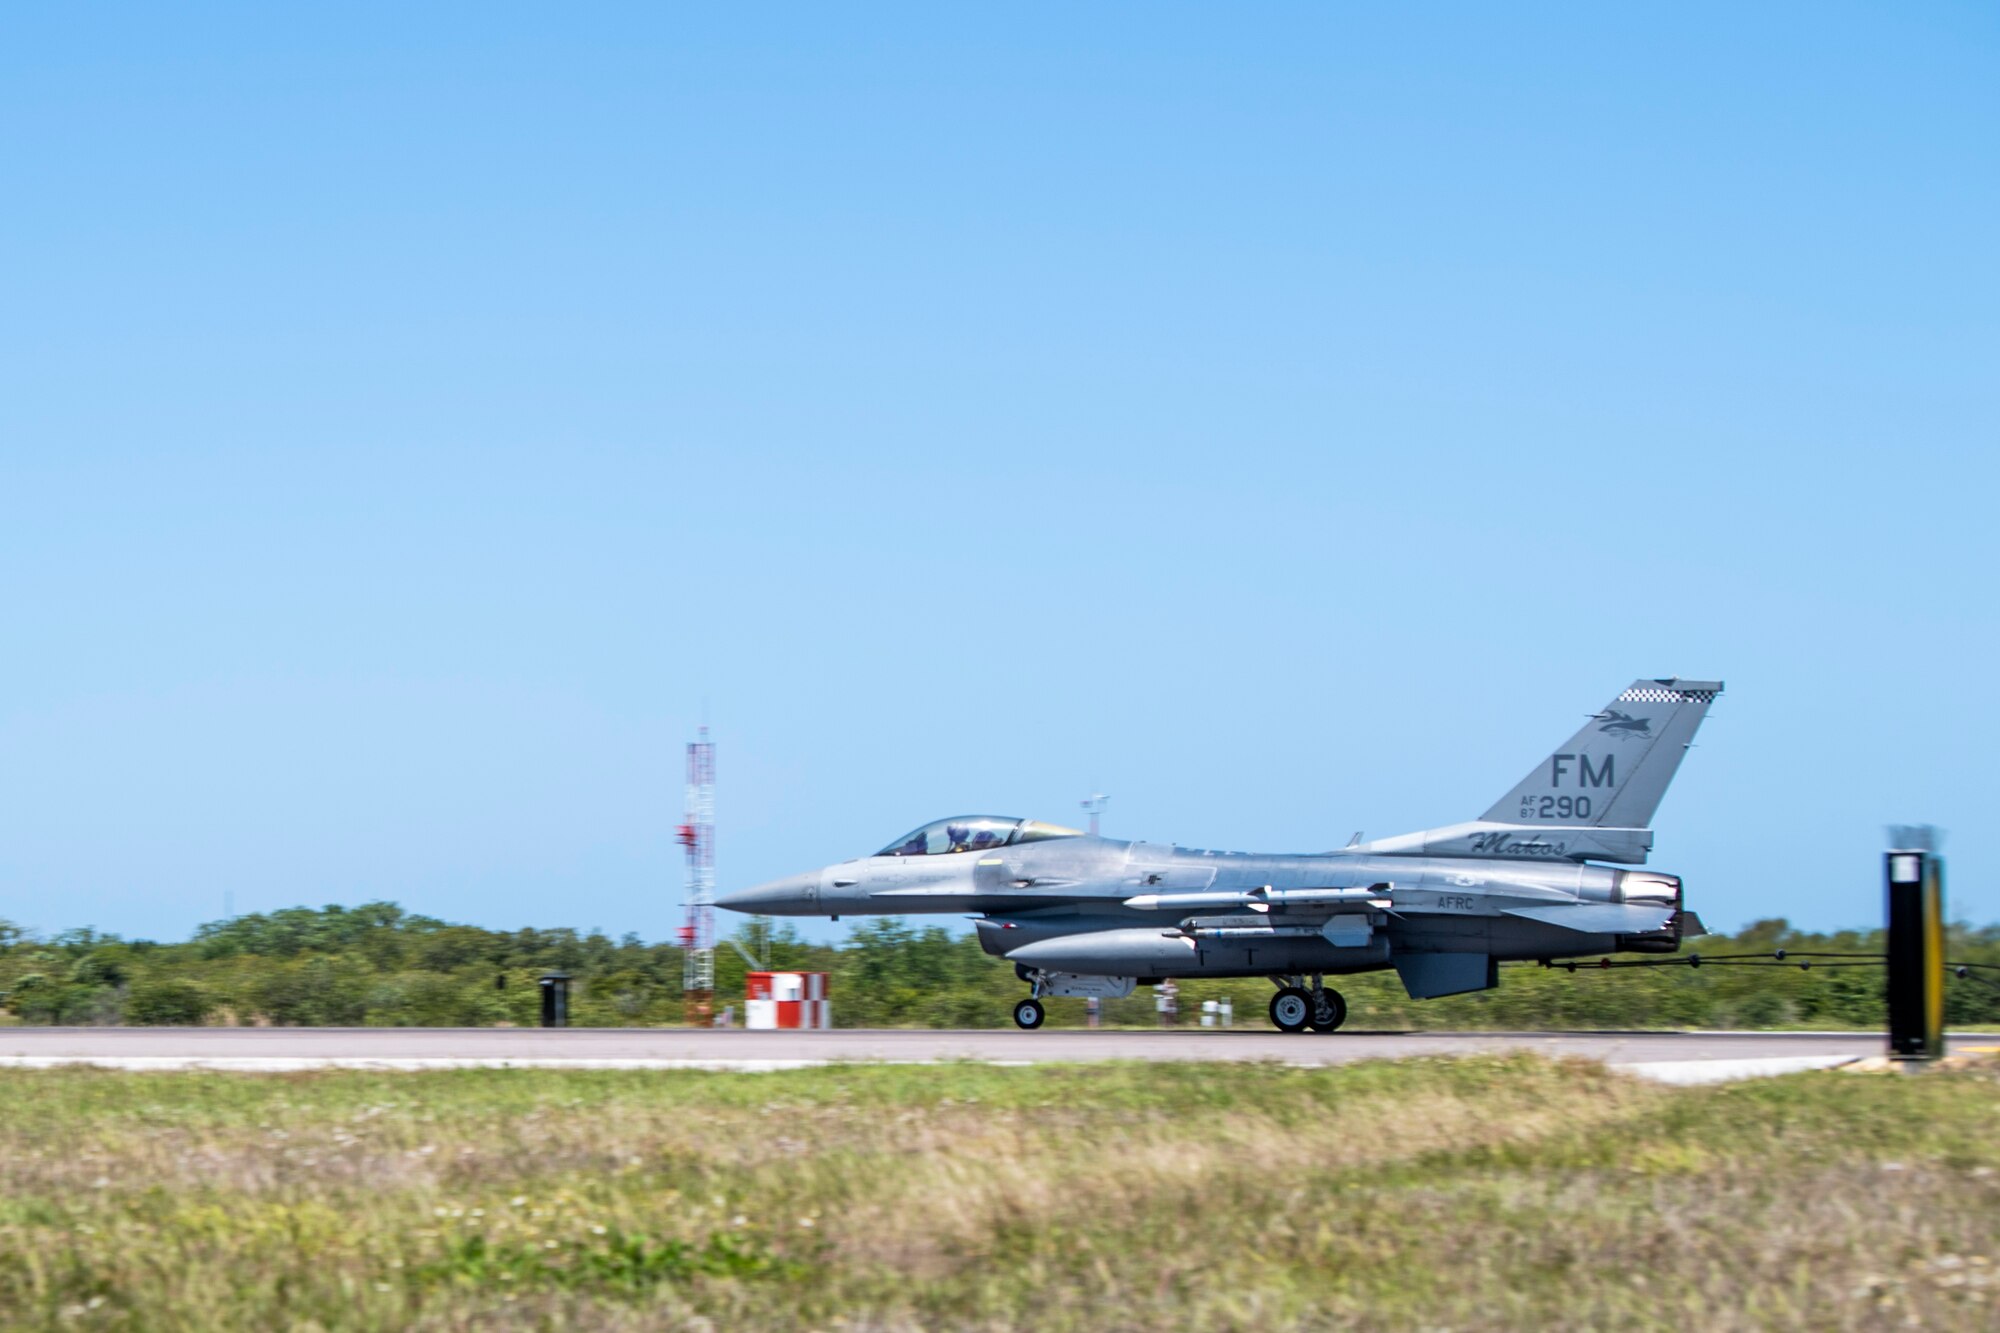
(377, 965)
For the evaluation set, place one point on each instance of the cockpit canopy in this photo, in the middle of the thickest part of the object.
(974, 833)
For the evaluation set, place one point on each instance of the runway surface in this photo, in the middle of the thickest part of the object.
(1673, 1056)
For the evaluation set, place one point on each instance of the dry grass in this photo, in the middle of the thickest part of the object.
(1465, 1194)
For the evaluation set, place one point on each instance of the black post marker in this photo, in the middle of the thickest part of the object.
(555, 999)
(1916, 945)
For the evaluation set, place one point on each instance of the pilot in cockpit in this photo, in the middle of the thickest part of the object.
(974, 833)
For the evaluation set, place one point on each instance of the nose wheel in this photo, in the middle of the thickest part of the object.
(1028, 1015)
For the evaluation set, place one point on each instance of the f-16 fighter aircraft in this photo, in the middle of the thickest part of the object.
(1083, 915)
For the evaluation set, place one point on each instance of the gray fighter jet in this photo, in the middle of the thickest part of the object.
(1082, 915)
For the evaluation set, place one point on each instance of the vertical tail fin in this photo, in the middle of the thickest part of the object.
(1614, 771)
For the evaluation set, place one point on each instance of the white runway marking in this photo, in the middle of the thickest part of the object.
(1688, 1072)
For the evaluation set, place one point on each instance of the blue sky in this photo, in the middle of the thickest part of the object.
(1287, 419)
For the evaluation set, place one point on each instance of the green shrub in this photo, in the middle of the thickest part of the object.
(167, 1003)
(40, 998)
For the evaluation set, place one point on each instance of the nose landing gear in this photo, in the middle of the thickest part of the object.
(1297, 1008)
(1028, 1014)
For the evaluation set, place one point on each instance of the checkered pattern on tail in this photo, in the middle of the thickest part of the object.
(1663, 694)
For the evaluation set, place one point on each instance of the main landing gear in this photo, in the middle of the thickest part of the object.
(1297, 1008)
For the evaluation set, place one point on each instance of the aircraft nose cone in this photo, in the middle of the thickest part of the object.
(794, 895)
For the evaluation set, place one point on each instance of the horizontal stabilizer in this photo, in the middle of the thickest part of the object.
(1600, 918)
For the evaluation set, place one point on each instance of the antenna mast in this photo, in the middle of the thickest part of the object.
(697, 836)
(1094, 803)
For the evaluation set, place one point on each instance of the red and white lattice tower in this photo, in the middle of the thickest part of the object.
(697, 836)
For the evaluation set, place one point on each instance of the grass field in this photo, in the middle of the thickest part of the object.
(1465, 1194)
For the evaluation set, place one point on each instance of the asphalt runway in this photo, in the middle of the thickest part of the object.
(1680, 1057)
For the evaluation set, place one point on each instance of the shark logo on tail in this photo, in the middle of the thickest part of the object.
(1624, 725)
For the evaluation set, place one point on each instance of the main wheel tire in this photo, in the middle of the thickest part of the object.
(1333, 1016)
(1028, 1015)
(1291, 1010)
